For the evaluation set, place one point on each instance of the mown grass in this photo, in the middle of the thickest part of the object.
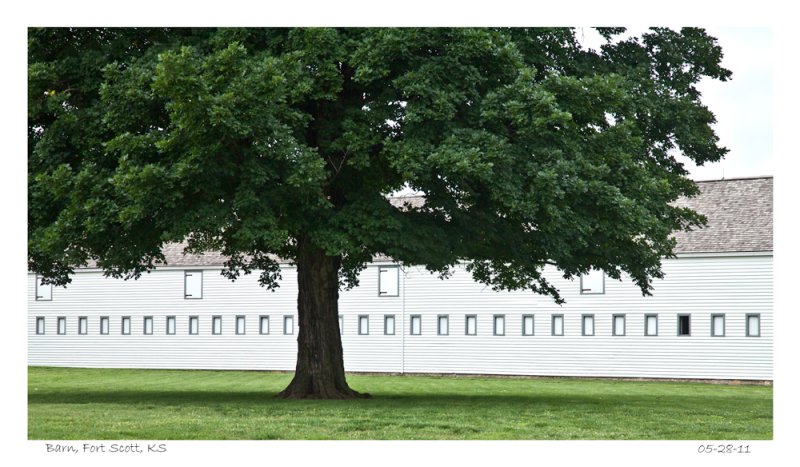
(71, 403)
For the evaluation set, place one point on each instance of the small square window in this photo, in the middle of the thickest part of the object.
(83, 325)
(44, 292)
(557, 328)
(61, 325)
(717, 325)
(126, 325)
(593, 283)
(416, 325)
(240, 322)
(388, 325)
(650, 325)
(194, 325)
(527, 325)
(684, 328)
(216, 325)
(587, 325)
(148, 325)
(618, 326)
(443, 325)
(499, 325)
(39, 325)
(193, 284)
(388, 281)
(363, 325)
(288, 324)
(753, 325)
(170, 325)
(104, 324)
(471, 325)
(263, 324)
(341, 325)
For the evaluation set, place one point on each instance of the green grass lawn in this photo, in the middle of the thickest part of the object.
(70, 403)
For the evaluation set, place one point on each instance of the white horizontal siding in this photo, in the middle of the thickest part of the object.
(696, 285)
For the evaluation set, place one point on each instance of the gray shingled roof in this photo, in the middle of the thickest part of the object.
(739, 213)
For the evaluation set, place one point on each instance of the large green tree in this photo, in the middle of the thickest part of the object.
(286, 143)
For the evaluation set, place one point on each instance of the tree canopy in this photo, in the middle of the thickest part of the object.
(529, 149)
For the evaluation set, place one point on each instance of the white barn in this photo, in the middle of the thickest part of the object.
(710, 318)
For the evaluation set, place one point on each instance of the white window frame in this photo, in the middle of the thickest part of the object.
(240, 330)
(122, 329)
(553, 319)
(194, 321)
(647, 328)
(174, 321)
(186, 275)
(288, 330)
(418, 320)
(714, 325)
(381, 270)
(363, 325)
(495, 320)
(689, 334)
(386, 319)
(216, 330)
(147, 320)
(61, 325)
(261, 320)
(474, 319)
(105, 320)
(525, 318)
(39, 297)
(40, 330)
(748, 331)
(624, 324)
(584, 317)
(446, 319)
(83, 325)
(585, 291)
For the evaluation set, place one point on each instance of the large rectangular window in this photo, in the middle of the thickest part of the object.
(471, 325)
(104, 325)
(527, 325)
(61, 325)
(194, 325)
(618, 325)
(288, 324)
(717, 325)
(193, 284)
(753, 325)
(216, 325)
(263, 324)
(363, 325)
(39, 325)
(170, 325)
(388, 325)
(594, 282)
(587, 325)
(557, 327)
(126, 325)
(83, 325)
(650, 325)
(684, 325)
(240, 322)
(443, 325)
(416, 325)
(148, 325)
(499, 325)
(388, 281)
(44, 292)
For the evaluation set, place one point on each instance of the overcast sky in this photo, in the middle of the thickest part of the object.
(742, 105)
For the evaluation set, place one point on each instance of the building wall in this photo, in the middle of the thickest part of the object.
(695, 284)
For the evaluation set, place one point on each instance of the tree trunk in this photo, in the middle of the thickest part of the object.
(320, 367)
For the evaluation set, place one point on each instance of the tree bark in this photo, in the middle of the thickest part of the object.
(320, 367)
